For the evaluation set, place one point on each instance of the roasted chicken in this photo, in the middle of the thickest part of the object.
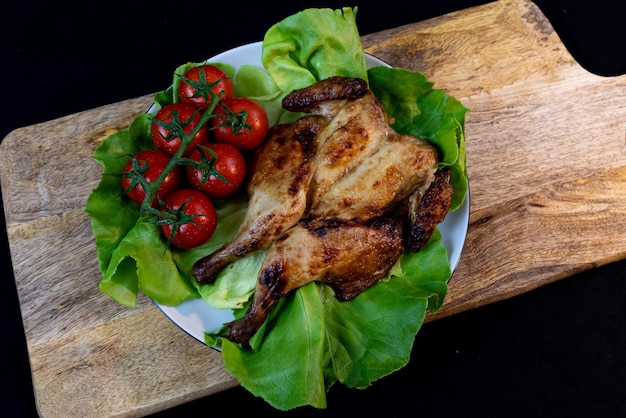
(334, 197)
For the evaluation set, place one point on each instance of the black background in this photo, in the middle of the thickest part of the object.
(559, 351)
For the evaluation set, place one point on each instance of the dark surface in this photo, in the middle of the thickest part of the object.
(559, 351)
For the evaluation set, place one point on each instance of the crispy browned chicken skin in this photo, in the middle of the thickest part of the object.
(334, 198)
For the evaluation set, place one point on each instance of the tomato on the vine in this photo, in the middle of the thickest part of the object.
(224, 161)
(198, 82)
(149, 164)
(246, 124)
(196, 218)
(173, 121)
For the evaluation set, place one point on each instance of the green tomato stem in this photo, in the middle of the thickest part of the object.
(185, 141)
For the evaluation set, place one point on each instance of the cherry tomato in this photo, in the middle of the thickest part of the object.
(174, 120)
(150, 163)
(251, 129)
(197, 81)
(227, 162)
(201, 218)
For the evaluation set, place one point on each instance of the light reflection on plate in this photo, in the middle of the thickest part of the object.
(195, 317)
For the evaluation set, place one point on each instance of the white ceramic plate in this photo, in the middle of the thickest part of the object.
(196, 317)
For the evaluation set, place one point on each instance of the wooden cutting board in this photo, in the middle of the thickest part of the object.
(546, 159)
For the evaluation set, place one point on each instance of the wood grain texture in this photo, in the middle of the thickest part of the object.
(527, 242)
(536, 117)
(547, 165)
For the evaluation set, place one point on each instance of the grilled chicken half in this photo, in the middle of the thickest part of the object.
(335, 197)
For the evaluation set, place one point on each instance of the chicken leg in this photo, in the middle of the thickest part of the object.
(349, 256)
(281, 171)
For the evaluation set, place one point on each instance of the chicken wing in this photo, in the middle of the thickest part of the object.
(357, 125)
(427, 209)
(399, 166)
(326, 96)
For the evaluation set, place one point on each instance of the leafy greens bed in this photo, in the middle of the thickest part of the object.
(311, 340)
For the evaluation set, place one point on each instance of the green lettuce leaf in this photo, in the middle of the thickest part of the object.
(132, 256)
(287, 371)
(258, 84)
(312, 45)
(154, 272)
(111, 215)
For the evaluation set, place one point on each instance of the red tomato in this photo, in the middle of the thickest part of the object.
(150, 164)
(174, 120)
(197, 222)
(227, 162)
(245, 128)
(196, 83)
